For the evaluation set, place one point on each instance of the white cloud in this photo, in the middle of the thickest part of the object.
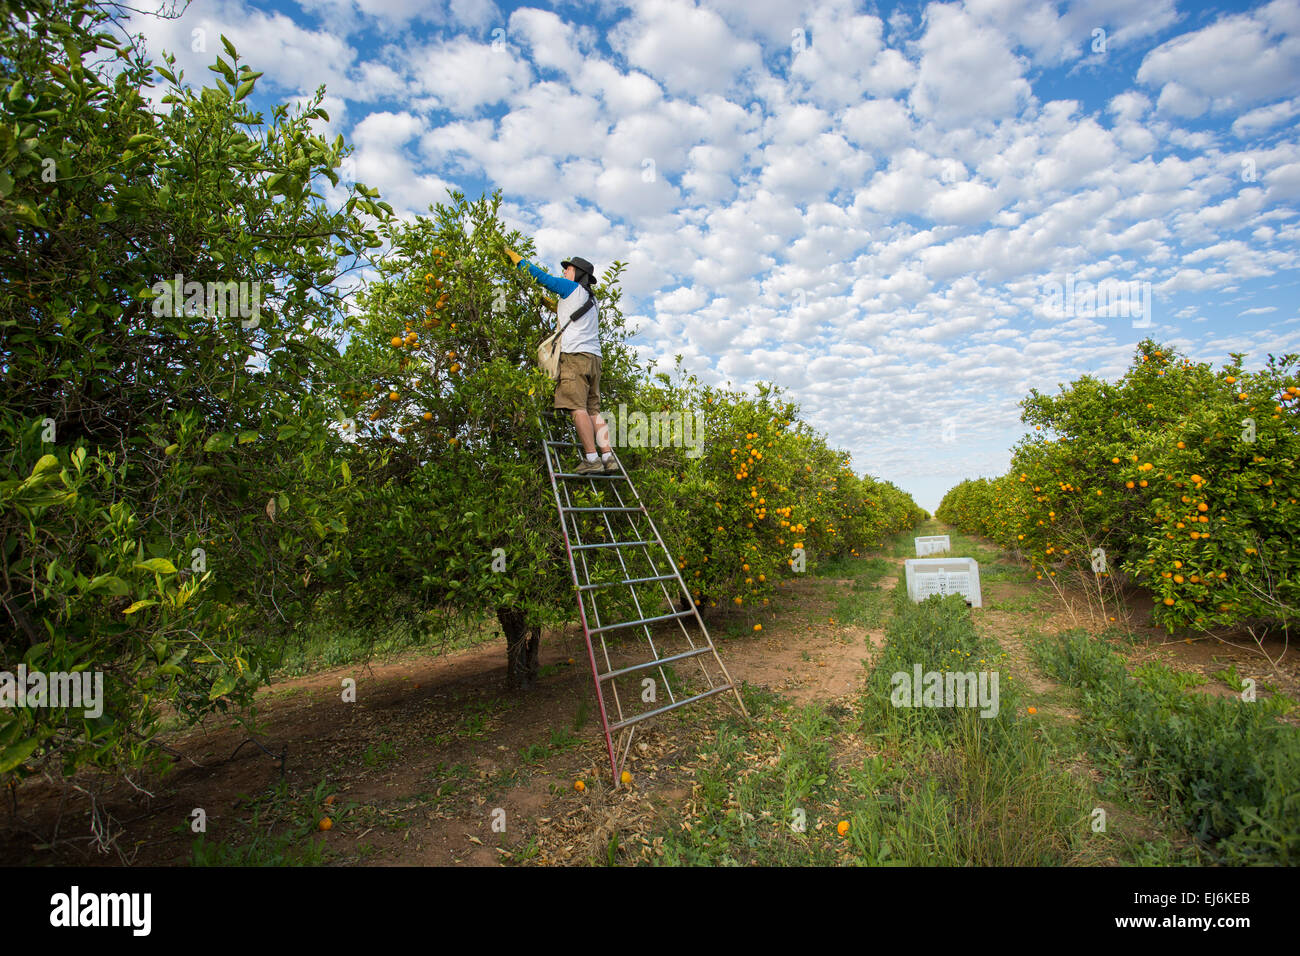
(466, 75)
(968, 72)
(1264, 118)
(1233, 62)
(687, 48)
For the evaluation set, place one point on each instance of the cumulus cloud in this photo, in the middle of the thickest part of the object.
(1234, 62)
(854, 211)
(968, 73)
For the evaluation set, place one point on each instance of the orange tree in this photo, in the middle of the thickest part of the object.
(765, 498)
(164, 498)
(452, 511)
(1184, 476)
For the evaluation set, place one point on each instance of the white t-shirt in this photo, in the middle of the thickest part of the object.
(583, 334)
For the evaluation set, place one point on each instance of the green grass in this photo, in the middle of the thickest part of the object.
(926, 786)
(1225, 769)
(280, 831)
(376, 756)
(324, 645)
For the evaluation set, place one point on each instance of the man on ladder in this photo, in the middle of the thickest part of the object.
(578, 387)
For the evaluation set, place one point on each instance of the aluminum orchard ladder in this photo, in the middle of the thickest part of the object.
(616, 555)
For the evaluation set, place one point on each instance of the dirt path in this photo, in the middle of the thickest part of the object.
(434, 752)
(436, 764)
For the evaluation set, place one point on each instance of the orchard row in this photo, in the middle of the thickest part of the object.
(1182, 477)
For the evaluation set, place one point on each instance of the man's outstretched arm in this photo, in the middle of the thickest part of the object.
(557, 284)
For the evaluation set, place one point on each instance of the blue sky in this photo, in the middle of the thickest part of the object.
(867, 204)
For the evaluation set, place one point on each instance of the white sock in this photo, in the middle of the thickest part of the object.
(607, 456)
(592, 456)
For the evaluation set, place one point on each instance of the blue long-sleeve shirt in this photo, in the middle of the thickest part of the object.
(557, 284)
(580, 335)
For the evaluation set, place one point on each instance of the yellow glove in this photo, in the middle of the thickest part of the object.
(513, 256)
(549, 302)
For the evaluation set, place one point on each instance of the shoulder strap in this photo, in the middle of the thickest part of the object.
(586, 307)
(579, 313)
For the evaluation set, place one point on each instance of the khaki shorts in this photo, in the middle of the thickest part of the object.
(579, 382)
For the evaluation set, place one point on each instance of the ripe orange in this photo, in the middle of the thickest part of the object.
(392, 396)
(842, 828)
(579, 786)
(758, 627)
(397, 341)
(325, 823)
(626, 777)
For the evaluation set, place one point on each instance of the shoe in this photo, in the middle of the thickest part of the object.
(612, 466)
(590, 468)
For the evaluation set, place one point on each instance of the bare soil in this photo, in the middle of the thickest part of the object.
(436, 763)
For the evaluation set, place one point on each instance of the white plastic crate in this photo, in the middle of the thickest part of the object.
(926, 576)
(932, 544)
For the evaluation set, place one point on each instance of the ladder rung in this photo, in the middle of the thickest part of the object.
(611, 544)
(563, 508)
(644, 620)
(610, 584)
(594, 474)
(560, 444)
(673, 706)
(664, 660)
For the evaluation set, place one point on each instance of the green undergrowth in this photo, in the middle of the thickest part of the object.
(907, 785)
(1226, 769)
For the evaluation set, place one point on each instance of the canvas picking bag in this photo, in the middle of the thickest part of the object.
(548, 353)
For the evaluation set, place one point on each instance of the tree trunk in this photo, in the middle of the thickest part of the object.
(522, 646)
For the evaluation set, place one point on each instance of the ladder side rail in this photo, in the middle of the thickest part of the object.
(688, 596)
(582, 612)
(698, 617)
(636, 602)
(595, 609)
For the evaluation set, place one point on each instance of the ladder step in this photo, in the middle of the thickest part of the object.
(610, 584)
(663, 660)
(563, 508)
(594, 474)
(644, 620)
(673, 706)
(612, 544)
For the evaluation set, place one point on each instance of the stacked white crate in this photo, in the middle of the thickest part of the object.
(943, 576)
(932, 544)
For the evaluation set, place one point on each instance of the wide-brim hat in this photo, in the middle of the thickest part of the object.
(581, 264)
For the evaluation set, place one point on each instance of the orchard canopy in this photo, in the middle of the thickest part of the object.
(232, 412)
(1180, 477)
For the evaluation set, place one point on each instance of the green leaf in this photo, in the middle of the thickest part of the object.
(246, 436)
(11, 757)
(140, 605)
(109, 583)
(243, 90)
(218, 442)
(347, 473)
(6, 184)
(47, 463)
(224, 685)
(140, 139)
(158, 566)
